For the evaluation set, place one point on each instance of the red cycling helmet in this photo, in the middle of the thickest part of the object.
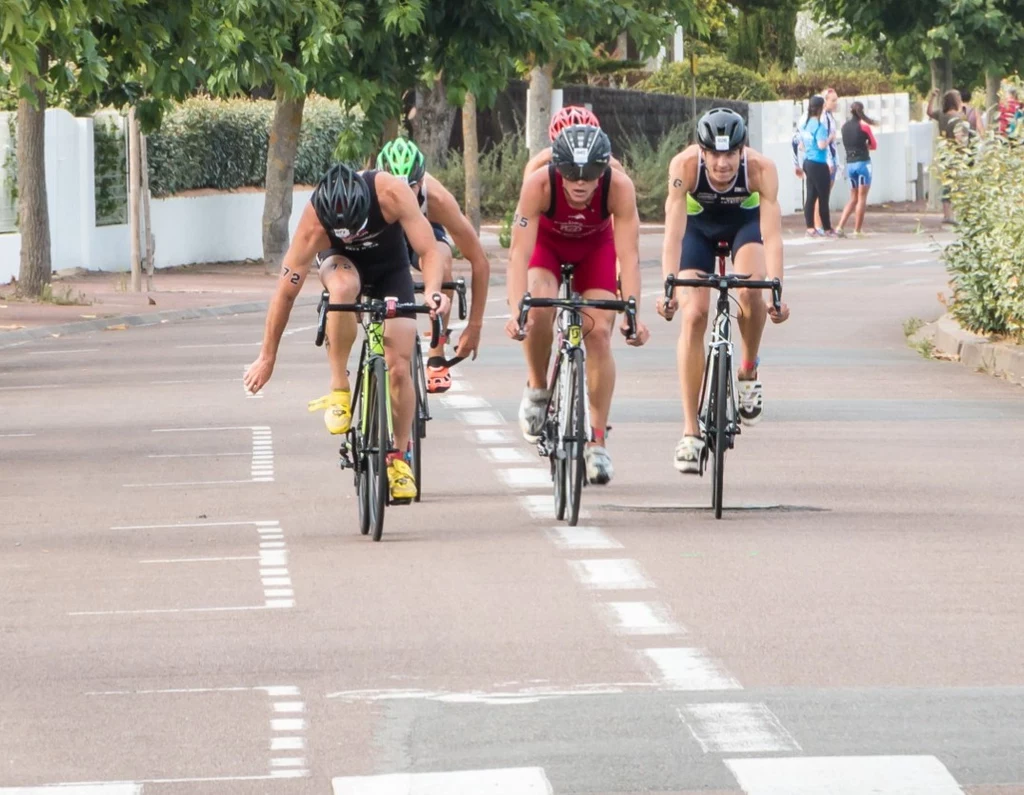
(568, 116)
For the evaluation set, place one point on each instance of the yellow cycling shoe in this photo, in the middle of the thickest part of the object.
(337, 410)
(400, 479)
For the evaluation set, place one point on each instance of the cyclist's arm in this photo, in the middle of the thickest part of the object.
(626, 228)
(398, 203)
(309, 238)
(443, 209)
(533, 201)
(771, 216)
(680, 175)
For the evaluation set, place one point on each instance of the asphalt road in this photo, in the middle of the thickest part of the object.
(186, 605)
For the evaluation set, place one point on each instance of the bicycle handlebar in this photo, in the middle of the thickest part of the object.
(459, 286)
(528, 302)
(729, 281)
(381, 309)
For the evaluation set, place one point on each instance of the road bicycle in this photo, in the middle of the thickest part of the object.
(567, 421)
(370, 439)
(419, 376)
(717, 416)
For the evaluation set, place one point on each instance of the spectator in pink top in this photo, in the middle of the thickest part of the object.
(859, 142)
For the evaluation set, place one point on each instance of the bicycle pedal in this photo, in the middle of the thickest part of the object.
(405, 501)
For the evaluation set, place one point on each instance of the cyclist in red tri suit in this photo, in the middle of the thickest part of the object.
(565, 215)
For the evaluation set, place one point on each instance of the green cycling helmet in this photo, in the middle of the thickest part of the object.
(403, 159)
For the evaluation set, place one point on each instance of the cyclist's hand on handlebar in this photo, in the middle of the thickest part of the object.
(780, 316)
(513, 330)
(667, 309)
(642, 333)
(441, 303)
(469, 342)
(258, 374)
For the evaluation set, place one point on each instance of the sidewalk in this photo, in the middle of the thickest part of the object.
(100, 300)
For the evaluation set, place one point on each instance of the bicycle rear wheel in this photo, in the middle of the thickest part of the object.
(379, 443)
(552, 429)
(720, 431)
(361, 464)
(575, 440)
(419, 419)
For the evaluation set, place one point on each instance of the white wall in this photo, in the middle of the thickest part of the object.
(217, 227)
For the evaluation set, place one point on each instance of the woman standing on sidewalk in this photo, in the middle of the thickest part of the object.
(815, 139)
(859, 142)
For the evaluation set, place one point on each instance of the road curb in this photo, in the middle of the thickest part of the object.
(1000, 359)
(9, 338)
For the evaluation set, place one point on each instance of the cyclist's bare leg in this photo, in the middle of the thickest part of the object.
(446, 261)
(690, 352)
(399, 342)
(537, 347)
(597, 339)
(339, 277)
(750, 259)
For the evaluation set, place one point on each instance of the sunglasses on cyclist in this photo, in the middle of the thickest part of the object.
(583, 173)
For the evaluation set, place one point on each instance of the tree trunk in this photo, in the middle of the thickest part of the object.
(36, 266)
(471, 155)
(942, 71)
(992, 83)
(146, 218)
(538, 108)
(280, 179)
(134, 189)
(432, 124)
(390, 131)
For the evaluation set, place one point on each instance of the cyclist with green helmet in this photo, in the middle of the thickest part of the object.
(403, 158)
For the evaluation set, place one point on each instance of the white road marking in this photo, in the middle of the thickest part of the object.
(482, 418)
(507, 455)
(289, 706)
(30, 386)
(463, 402)
(178, 483)
(689, 669)
(491, 436)
(844, 775)
(211, 428)
(292, 761)
(530, 695)
(640, 618)
(732, 728)
(507, 781)
(611, 574)
(526, 478)
(287, 724)
(15, 435)
(202, 560)
(287, 743)
(542, 506)
(582, 538)
(70, 350)
(844, 270)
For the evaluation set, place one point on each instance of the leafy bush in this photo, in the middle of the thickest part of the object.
(791, 85)
(501, 175)
(208, 143)
(986, 262)
(648, 167)
(716, 78)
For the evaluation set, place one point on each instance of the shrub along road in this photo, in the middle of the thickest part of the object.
(187, 607)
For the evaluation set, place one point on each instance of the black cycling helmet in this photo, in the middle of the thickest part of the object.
(342, 200)
(721, 130)
(581, 152)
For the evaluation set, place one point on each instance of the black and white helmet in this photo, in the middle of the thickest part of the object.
(721, 130)
(581, 152)
(342, 201)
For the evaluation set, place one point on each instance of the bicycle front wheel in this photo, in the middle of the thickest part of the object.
(575, 441)
(720, 430)
(419, 419)
(379, 441)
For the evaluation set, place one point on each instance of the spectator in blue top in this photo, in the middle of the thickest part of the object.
(815, 140)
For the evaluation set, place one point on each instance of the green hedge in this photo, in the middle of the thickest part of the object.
(501, 176)
(716, 77)
(218, 144)
(648, 167)
(986, 261)
(791, 85)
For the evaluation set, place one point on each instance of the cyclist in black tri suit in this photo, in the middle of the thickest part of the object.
(355, 228)
(720, 190)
